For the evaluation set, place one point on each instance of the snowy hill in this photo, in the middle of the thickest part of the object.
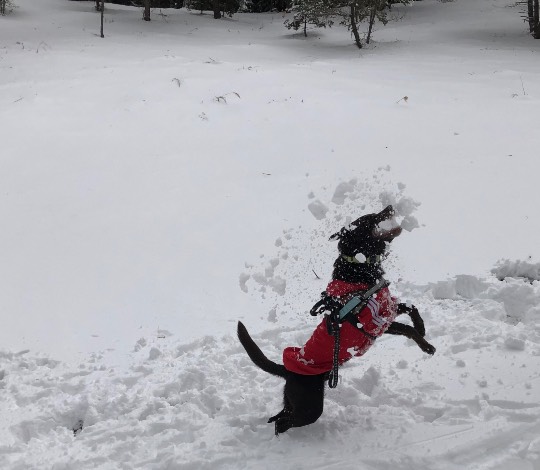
(177, 176)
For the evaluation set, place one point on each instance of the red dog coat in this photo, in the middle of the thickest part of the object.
(316, 356)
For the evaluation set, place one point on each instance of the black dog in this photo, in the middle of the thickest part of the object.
(304, 394)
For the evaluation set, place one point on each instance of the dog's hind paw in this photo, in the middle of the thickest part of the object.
(283, 424)
(281, 414)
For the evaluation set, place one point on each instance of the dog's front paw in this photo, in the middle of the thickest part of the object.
(427, 348)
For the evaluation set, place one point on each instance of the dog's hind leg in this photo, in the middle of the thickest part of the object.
(304, 394)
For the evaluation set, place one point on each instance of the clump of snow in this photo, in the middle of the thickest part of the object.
(342, 190)
(469, 287)
(409, 223)
(516, 269)
(513, 300)
(270, 269)
(318, 209)
(278, 284)
(388, 224)
(516, 344)
(360, 257)
(404, 207)
(272, 316)
(267, 279)
(444, 290)
(154, 353)
(368, 382)
(141, 343)
(243, 279)
(520, 299)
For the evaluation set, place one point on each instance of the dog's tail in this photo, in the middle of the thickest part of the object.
(257, 356)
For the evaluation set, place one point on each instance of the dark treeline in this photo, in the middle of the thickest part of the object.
(314, 13)
(533, 18)
(248, 6)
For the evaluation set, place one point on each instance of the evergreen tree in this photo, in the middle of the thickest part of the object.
(321, 13)
(362, 10)
(315, 12)
(228, 7)
(261, 6)
(536, 20)
(6, 6)
(258, 6)
(102, 16)
(532, 16)
(146, 11)
(199, 5)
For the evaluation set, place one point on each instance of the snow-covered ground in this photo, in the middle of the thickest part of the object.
(162, 183)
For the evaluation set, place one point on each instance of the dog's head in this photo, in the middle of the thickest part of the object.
(369, 235)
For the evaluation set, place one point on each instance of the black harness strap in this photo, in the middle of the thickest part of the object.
(333, 377)
(348, 313)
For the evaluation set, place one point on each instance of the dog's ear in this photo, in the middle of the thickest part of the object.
(339, 235)
(385, 214)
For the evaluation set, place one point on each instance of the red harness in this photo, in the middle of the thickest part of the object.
(316, 356)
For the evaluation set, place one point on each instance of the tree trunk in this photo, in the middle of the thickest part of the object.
(102, 9)
(530, 15)
(146, 14)
(372, 16)
(305, 27)
(217, 10)
(536, 33)
(354, 27)
(2, 7)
